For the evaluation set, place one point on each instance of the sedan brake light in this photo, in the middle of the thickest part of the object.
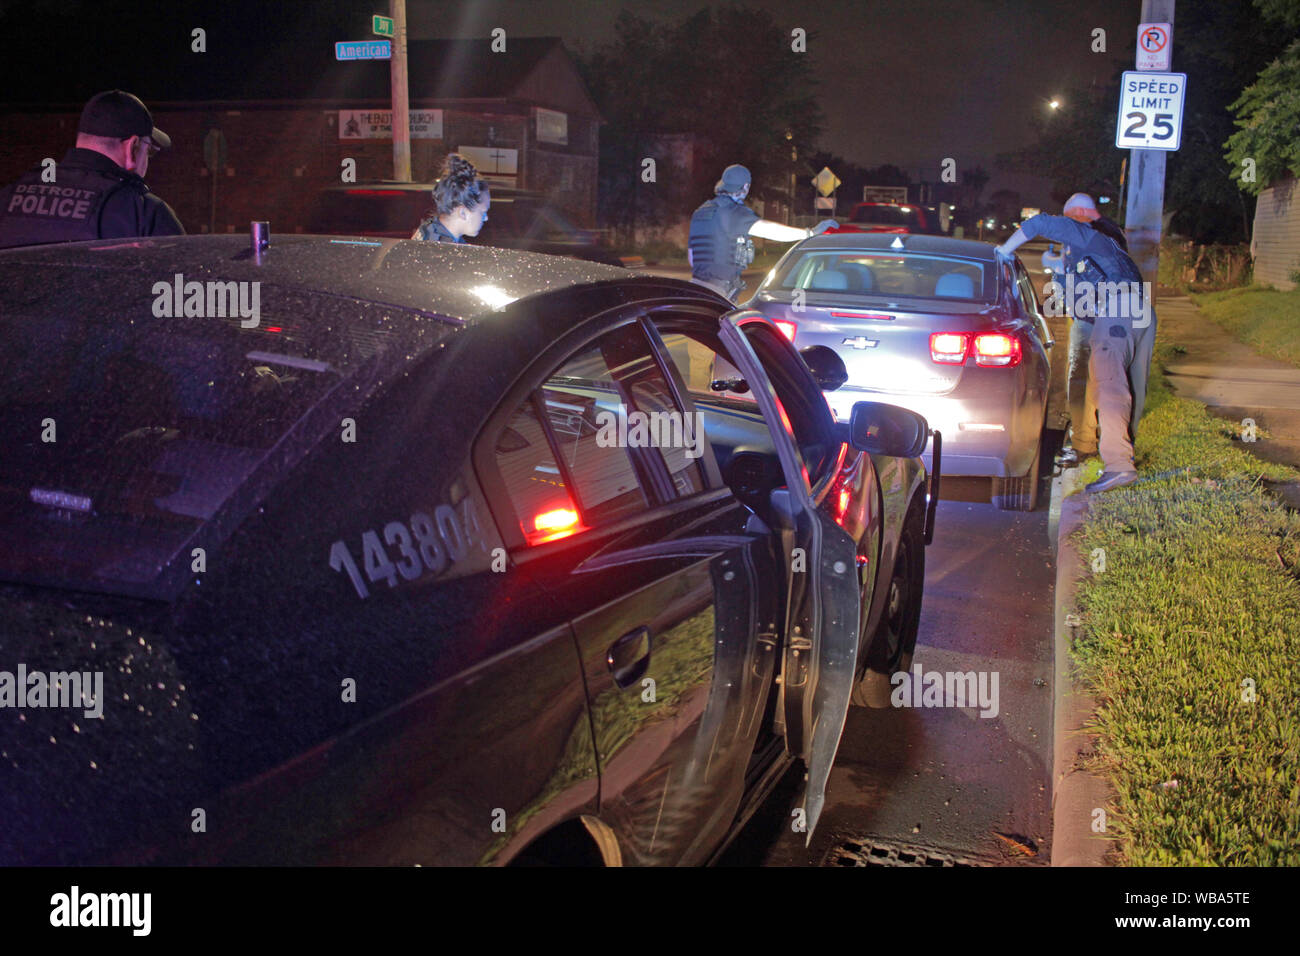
(949, 348)
(997, 349)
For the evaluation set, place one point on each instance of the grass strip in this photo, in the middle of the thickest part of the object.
(1189, 643)
(1263, 318)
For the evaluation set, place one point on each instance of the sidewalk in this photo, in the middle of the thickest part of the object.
(1234, 380)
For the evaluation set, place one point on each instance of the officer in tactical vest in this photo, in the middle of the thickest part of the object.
(720, 248)
(97, 191)
(1106, 287)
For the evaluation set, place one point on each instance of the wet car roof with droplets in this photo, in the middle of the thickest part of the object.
(458, 280)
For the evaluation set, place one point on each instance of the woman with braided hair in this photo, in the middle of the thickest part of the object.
(461, 203)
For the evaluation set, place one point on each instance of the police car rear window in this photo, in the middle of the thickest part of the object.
(126, 428)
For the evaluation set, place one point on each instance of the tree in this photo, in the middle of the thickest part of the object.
(726, 77)
(1266, 147)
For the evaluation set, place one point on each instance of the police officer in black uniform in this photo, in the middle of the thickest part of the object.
(97, 191)
(719, 247)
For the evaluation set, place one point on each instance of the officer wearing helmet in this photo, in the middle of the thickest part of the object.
(720, 247)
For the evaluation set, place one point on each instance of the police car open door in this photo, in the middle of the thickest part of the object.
(823, 607)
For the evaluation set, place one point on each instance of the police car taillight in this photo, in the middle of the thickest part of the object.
(553, 524)
(788, 328)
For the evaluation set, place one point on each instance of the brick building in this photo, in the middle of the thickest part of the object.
(523, 116)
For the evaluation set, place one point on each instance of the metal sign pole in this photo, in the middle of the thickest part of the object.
(1146, 176)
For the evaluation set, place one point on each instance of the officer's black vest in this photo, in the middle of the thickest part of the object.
(34, 212)
(713, 241)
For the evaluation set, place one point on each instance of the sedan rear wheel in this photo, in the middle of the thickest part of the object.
(1020, 494)
(891, 646)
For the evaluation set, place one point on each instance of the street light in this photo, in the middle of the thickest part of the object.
(1054, 104)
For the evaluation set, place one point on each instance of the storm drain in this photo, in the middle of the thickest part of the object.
(875, 853)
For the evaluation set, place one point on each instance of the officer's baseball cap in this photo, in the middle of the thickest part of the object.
(1082, 204)
(734, 178)
(120, 115)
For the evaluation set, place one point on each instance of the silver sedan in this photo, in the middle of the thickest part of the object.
(940, 326)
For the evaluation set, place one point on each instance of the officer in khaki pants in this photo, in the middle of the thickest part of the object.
(1106, 285)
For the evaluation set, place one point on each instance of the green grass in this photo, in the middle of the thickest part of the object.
(1198, 596)
(1263, 318)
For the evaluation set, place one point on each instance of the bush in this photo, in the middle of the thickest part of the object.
(1188, 267)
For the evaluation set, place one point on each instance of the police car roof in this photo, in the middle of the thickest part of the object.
(453, 280)
(939, 245)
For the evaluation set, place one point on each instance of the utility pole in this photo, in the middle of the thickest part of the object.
(1144, 213)
(401, 99)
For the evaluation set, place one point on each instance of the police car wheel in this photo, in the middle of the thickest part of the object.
(891, 646)
(1019, 494)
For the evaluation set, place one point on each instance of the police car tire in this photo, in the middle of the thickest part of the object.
(1020, 494)
(890, 648)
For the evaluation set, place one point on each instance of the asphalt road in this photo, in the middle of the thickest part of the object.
(945, 782)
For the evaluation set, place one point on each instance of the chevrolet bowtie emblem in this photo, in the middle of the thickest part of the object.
(862, 342)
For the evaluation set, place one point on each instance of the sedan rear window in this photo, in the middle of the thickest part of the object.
(888, 273)
(124, 432)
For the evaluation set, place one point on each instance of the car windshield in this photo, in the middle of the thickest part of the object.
(885, 215)
(890, 273)
(124, 432)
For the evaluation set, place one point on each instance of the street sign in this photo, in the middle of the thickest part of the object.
(894, 194)
(363, 50)
(1150, 110)
(826, 181)
(824, 202)
(381, 26)
(1154, 51)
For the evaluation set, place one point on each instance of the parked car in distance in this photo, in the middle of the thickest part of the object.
(518, 219)
(885, 217)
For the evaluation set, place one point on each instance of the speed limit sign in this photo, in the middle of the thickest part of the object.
(1151, 111)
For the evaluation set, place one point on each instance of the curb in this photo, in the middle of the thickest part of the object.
(1075, 791)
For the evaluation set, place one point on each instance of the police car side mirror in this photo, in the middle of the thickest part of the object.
(883, 429)
(827, 367)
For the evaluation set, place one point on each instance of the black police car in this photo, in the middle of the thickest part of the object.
(375, 552)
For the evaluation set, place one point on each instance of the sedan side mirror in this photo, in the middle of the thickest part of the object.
(827, 367)
(887, 430)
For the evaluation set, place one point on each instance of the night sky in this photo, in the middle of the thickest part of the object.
(907, 82)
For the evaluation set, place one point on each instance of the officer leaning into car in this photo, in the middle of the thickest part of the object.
(719, 248)
(97, 190)
(1080, 398)
(1121, 343)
